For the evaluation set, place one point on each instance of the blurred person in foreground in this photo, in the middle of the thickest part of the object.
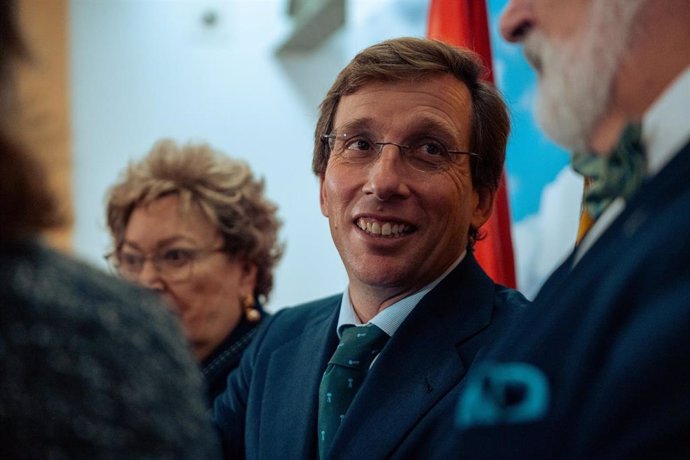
(409, 149)
(194, 226)
(90, 367)
(600, 368)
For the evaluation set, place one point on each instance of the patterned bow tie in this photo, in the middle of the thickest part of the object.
(609, 177)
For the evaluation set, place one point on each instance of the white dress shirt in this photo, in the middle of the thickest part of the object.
(390, 318)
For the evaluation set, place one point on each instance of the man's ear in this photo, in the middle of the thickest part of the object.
(484, 206)
(323, 196)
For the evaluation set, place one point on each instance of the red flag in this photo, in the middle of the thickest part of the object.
(465, 23)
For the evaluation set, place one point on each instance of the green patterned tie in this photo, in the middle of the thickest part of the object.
(344, 375)
(608, 177)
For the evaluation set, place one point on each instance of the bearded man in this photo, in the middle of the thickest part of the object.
(599, 367)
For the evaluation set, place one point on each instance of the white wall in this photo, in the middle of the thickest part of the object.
(146, 69)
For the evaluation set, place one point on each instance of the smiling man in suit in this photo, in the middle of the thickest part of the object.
(600, 366)
(409, 149)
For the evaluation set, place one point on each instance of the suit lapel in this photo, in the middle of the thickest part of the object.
(292, 387)
(420, 364)
(617, 241)
(652, 194)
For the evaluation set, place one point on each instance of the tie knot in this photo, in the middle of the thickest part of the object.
(358, 346)
(618, 174)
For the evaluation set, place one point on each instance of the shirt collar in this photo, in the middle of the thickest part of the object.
(665, 127)
(390, 318)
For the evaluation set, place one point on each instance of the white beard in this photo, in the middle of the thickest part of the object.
(576, 79)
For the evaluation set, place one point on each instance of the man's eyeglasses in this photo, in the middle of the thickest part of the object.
(425, 154)
(172, 264)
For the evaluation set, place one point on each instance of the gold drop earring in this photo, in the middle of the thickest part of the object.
(250, 312)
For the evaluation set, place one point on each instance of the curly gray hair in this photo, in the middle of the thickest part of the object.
(225, 190)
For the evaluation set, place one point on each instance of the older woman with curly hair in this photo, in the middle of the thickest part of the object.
(193, 225)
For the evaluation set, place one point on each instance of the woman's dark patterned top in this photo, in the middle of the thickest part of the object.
(226, 357)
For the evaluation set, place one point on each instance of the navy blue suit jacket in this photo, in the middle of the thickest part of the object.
(404, 407)
(609, 340)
